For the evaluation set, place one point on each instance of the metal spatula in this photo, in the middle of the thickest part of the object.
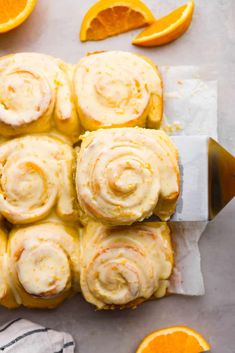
(207, 178)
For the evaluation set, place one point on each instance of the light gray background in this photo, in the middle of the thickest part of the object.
(53, 29)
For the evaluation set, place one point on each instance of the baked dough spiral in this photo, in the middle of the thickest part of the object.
(41, 266)
(125, 175)
(36, 95)
(124, 266)
(118, 89)
(36, 176)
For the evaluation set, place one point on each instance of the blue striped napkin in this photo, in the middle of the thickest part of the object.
(22, 336)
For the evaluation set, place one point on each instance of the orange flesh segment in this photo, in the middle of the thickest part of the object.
(178, 342)
(164, 22)
(115, 20)
(9, 9)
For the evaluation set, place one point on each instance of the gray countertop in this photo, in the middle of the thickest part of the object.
(53, 29)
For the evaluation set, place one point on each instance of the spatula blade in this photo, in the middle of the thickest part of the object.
(207, 178)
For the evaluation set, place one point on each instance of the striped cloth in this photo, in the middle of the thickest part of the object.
(22, 336)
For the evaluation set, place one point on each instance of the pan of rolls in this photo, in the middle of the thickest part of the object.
(83, 165)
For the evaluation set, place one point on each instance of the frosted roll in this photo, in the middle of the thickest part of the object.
(41, 266)
(35, 178)
(118, 89)
(124, 266)
(126, 175)
(36, 95)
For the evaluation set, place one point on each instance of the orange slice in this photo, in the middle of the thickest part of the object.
(107, 18)
(176, 339)
(14, 12)
(167, 28)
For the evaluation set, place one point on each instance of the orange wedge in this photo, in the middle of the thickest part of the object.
(167, 28)
(14, 12)
(176, 339)
(107, 18)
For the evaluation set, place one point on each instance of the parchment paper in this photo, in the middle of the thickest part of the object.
(190, 100)
(190, 108)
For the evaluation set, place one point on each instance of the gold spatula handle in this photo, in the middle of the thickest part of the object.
(221, 178)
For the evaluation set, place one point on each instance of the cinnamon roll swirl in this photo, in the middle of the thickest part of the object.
(36, 176)
(125, 175)
(42, 265)
(36, 96)
(124, 266)
(118, 89)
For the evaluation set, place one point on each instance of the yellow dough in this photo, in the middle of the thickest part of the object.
(6, 296)
(42, 265)
(121, 175)
(124, 266)
(39, 93)
(36, 175)
(118, 89)
(125, 175)
(36, 96)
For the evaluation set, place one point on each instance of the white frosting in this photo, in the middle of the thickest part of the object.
(43, 269)
(114, 89)
(25, 96)
(121, 265)
(122, 174)
(44, 260)
(33, 170)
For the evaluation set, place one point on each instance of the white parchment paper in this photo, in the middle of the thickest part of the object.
(187, 278)
(190, 101)
(190, 108)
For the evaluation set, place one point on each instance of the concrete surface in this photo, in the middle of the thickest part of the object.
(53, 28)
